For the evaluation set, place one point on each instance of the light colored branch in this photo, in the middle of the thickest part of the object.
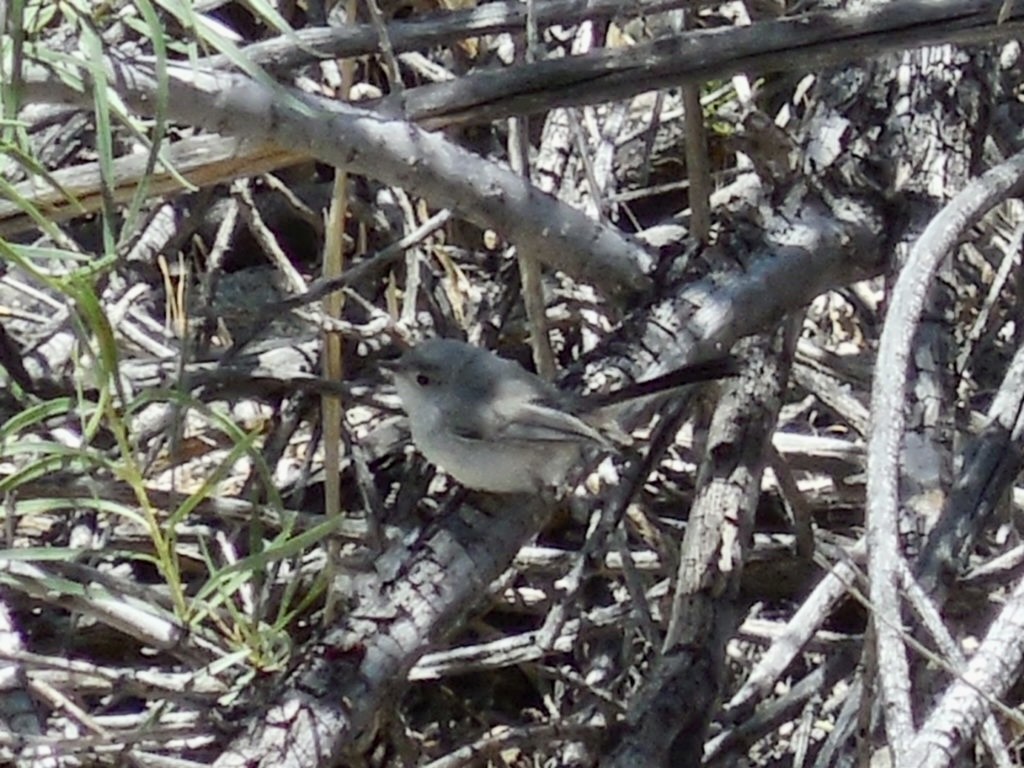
(390, 150)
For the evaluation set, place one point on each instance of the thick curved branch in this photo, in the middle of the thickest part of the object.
(888, 394)
(390, 150)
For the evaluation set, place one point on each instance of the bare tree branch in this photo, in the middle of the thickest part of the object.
(390, 150)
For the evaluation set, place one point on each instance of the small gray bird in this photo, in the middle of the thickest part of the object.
(496, 427)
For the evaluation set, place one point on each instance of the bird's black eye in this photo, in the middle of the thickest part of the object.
(422, 379)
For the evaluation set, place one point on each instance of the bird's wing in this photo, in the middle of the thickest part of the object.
(522, 420)
(515, 406)
(535, 420)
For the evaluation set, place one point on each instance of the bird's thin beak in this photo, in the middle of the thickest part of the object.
(395, 356)
(392, 366)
